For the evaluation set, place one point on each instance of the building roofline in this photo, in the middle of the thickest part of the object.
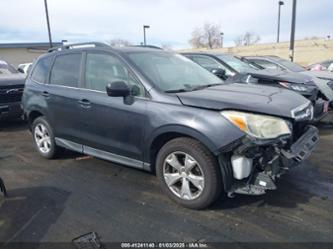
(36, 45)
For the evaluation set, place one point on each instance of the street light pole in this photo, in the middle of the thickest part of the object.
(222, 34)
(279, 17)
(144, 34)
(48, 22)
(292, 35)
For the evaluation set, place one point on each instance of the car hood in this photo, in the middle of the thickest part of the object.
(321, 79)
(278, 75)
(12, 79)
(320, 74)
(244, 97)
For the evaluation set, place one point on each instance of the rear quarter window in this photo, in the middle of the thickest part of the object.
(41, 70)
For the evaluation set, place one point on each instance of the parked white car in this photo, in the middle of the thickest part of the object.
(24, 68)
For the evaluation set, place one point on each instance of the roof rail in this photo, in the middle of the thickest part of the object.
(147, 46)
(78, 45)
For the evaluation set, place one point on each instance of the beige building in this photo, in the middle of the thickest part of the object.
(306, 51)
(18, 53)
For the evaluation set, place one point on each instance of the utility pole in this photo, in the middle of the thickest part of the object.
(221, 34)
(292, 35)
(144, 34)
(48, 23)
(279, 17)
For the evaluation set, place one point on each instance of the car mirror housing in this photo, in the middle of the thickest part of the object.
(117, 89)
(219, 72)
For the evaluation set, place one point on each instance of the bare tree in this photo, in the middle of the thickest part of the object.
(247, 39)
(118, 42)
(207, 36)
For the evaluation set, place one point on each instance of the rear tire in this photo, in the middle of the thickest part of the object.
(44, 139)
(188, 173)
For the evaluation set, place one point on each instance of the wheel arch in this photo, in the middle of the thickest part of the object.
(165, 134)
(32, 115)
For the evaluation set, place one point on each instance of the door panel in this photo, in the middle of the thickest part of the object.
(112, 124)
(64, 95)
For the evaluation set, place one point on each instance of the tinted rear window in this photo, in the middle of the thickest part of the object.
(41, 70)
(66, 70)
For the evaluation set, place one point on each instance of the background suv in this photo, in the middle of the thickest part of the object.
(159, 111)
(11, 90)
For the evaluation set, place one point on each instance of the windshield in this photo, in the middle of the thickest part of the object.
(5, 68)
(291, 66)
(172, 72)
(237, 64)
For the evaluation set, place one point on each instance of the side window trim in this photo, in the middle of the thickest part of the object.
(84, 85)
(49, 72)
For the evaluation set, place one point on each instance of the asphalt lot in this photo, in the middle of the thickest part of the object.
(58, 200)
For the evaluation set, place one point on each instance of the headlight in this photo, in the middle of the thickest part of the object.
(259, 126)
(295, 87)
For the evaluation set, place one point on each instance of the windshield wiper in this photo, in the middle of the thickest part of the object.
(177, 90)
(190, 89)
(205, 86)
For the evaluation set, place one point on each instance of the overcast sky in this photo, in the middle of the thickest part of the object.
(171, 21)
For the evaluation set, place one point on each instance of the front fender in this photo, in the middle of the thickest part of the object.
(207, 126)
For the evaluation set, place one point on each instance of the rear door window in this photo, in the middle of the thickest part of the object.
(41, 70)
(66, 70)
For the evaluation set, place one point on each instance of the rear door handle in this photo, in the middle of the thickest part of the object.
(85, 103)
(45, 94)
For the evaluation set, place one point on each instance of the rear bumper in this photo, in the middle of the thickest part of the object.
(10, 111)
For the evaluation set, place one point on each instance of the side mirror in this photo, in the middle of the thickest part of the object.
(117, 89)
(219, 72)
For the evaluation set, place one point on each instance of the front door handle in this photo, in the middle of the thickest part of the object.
(85, 103)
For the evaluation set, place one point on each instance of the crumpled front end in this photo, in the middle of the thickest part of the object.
(252, 166)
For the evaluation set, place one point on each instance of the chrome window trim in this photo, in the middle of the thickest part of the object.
(86, 89)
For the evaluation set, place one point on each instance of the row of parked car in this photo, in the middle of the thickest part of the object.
(205, 123)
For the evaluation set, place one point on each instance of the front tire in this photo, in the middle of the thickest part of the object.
(189, 173)
(44, 139)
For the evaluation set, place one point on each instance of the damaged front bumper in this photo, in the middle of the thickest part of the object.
(252, 166)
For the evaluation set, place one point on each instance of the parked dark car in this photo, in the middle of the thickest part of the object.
(159, 111)
(323, 79)
(233, 69)
(11, 90)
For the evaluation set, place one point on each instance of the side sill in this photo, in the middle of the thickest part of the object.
(102, 154)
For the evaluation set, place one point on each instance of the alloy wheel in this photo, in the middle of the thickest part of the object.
(42, 138)
(183, 175)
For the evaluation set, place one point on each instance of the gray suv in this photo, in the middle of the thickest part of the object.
(159, 111)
